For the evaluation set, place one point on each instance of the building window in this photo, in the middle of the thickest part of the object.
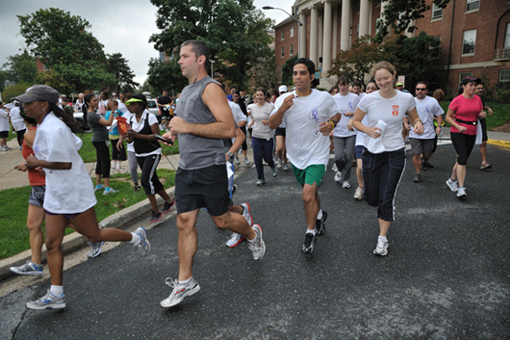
(291, 33)
(507, 36)
(357, 31)
(283, 52)
(472, 5)
(463, 75)
(283, 34)
(437, 12)
(435, 47)
(504, 76)
(291, 49)
(468, 44)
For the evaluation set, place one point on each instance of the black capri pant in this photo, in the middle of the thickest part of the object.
(150, 181)
(463, 145)
(244, 146)
(103, 159)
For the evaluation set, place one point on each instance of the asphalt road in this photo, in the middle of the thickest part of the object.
(447, 274)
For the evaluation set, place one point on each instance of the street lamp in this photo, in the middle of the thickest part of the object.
(281, 9)
(212, 67)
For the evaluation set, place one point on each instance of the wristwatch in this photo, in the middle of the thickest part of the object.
(230, 154)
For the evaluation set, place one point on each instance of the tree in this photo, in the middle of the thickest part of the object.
(263, 72)
(118, 66)
(235, 32)
(21, 68)
(287, 70)
(165, 75)
(74, 56)
(3, 79)
(399, 14)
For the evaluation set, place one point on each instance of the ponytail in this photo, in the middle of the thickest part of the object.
(75, 126)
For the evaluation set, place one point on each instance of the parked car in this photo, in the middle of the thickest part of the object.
(153, 108)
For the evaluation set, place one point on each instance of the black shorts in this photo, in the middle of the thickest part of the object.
(4, 134)
(207, 187)
(483, 125)
(279, 132)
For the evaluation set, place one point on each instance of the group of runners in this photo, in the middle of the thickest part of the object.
(205, 125)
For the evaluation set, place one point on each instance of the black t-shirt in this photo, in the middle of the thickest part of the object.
(163, 101)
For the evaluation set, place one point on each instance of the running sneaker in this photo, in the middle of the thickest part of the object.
(179, 291)
(48, 301)
(279, 164)
(246, 161)
(417, 178)
(309, 245)
(424, 166)
(485, 165)
(247, 213)
(257, 246)
(2, 148)
(95, 249)
(461, 193)
(273, 171)
(144, 247)
(156, 215)
(137, 187)
(168, 206)
(346, 185)
(7, 148)
(358, 194)
(430, 166)
(453, 185)
(29, 268)
(382, 247)
(320, 225)
(261, 182)
(98, 187)
(235, 239)
(334, 168)
(285, 167)
(237, 161)
(109, 191)
(338, 176)
(121, 171)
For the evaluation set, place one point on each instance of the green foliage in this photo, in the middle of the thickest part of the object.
(287, 70)
(3, 79)
(118, 66)
(21, 68)
(13, 91)
(165, 75)
(503, 96)
(74, 56)
(14, 235)
(235, 32)
(399, 14)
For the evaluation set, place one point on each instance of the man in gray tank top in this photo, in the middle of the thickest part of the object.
(202, 120)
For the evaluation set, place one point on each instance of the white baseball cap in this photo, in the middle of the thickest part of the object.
(282, 88)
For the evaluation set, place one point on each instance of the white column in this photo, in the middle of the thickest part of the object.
(410, 34)
(383, 8)
(346, 24)
(363, 17)
(302, 36)
(326, 42)
(319, 40)
(313, 35)
(335, 34)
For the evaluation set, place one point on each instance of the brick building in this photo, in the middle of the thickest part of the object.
(474, 35)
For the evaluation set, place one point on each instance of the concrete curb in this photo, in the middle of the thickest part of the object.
(76, 241)
(500, 143)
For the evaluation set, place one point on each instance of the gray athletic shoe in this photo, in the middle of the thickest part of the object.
(144, 247)
(382, 247)
(95, 249)
(28, 268)
(179, 292)
(257, 246)
(48, 301)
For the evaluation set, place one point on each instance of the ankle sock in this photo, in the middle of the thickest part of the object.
(319, 214)
(311, 231)
(185, 281)
(136, 239)
(57, 290)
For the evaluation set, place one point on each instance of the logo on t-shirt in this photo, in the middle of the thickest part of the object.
(314, 115)
(394, 110)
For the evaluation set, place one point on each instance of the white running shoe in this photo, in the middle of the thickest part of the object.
(109, 191)
(346, 185)
(144, 247)
(334, 168)
(338, 176)
(246, 161)
(285, 167)
(382, 247)
(29, 268)
(95, 249)
(358, 194)
(453, 185)
(279, 164)
(235, 239)
(461, 193)
(257, 246)
(48, 301)
(179, 292)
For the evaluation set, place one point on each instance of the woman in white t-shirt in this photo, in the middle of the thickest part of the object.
(262, 135)
(69, 195)
(343, 138)
(384, 158)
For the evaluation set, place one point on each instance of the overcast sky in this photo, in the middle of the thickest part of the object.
(121, 26)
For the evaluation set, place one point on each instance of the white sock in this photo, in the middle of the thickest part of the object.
(319, 215)
(136, 239)
(311, 231)
(117, 166)
(382, 239)
(185, 281)
(57, 290)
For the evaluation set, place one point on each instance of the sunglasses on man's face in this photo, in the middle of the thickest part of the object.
(421, 89)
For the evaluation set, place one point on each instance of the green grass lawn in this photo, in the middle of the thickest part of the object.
(501, 113)
(14, 235)
(88, 152)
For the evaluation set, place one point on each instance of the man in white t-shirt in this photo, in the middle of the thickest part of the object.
(427, 108)
(309, 116)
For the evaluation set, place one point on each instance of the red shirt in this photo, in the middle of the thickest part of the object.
(34, 177)
(466, 110)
